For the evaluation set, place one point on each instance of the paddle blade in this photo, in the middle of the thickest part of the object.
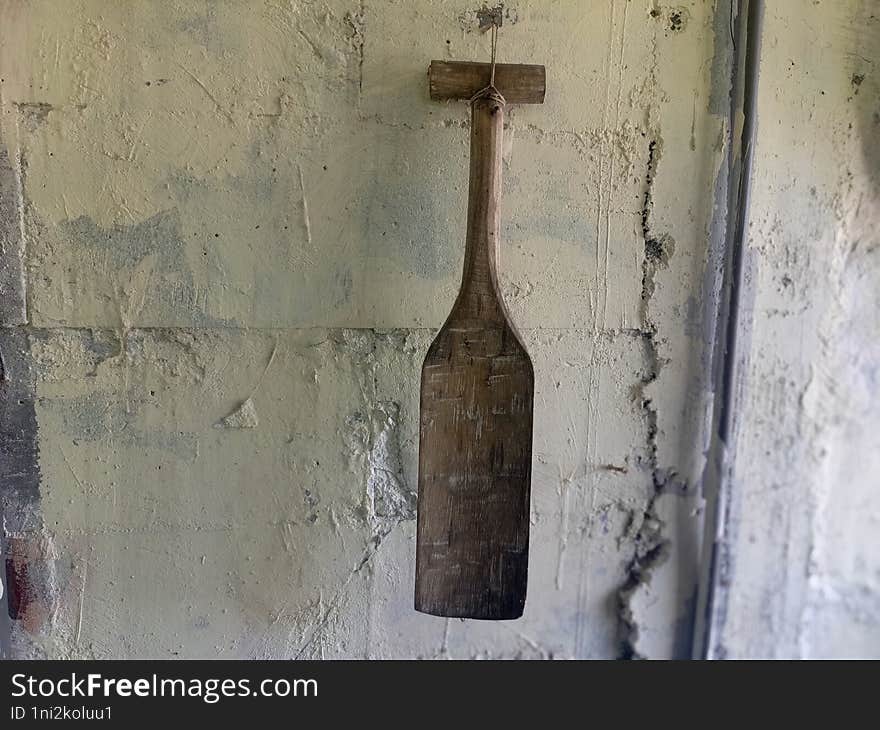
(475, 458)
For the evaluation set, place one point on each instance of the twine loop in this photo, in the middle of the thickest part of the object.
(491, 92)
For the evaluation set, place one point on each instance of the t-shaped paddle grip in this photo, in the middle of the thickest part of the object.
(518, 83)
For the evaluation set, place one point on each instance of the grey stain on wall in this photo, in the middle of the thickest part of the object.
(150, 271)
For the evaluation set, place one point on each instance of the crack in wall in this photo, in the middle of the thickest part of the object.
(357, 23)
(333, 606)
(651, 548)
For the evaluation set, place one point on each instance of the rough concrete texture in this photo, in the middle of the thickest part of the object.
(240, 225)
(802, 568)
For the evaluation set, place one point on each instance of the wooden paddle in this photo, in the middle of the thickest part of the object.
(475, 447)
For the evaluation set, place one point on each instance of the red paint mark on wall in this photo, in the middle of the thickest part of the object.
(27, 598)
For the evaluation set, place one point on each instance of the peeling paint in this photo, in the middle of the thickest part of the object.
(30, 593)
(245, 416)
(13, 302)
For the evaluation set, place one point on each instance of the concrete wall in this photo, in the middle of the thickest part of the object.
(230, 231)
(802, 576)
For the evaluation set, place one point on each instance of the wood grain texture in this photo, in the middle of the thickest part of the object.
(475, 448)
(519, 83)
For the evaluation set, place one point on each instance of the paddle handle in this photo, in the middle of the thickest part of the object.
(480, 293)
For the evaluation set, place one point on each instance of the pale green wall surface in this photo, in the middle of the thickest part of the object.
(240, 226)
